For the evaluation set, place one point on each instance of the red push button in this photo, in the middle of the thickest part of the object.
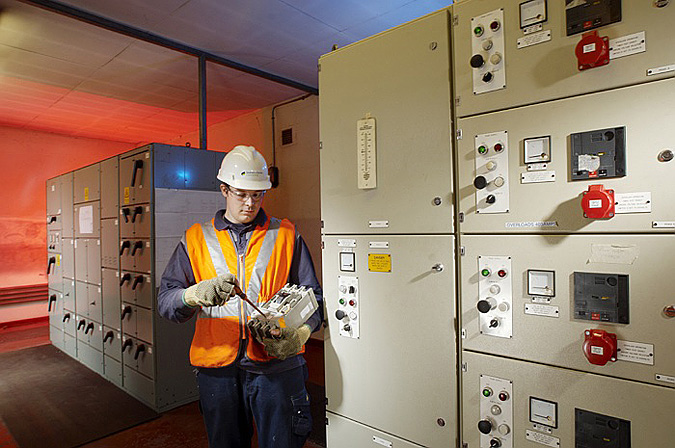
(598, 203)
(599, 347)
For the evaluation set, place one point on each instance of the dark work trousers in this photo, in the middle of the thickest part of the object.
(232, 399)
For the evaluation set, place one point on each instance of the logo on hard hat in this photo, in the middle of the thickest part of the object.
(251, 172)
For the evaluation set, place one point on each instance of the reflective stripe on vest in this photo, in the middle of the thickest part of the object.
(266, 267)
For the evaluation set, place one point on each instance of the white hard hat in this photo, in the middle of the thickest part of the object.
(245, 168)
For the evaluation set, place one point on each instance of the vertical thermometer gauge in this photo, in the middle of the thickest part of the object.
(367, 155)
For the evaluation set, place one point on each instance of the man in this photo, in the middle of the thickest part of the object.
(242, 380)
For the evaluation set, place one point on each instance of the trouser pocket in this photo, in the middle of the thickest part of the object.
(302, 416)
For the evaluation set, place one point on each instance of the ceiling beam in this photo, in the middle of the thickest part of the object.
(147, 36)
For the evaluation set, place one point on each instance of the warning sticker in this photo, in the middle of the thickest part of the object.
(86, 193)
(126, 195)
(379, 262)
(588, 162)
(635, 352)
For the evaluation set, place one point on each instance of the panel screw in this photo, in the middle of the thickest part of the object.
(665, 156)
(440, 422)
(433, 46)
(437, 201)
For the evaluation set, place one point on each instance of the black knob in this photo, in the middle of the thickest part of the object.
(487, 77)
(340, 314)
(494, 323)
(484, 306)
(480, 182)
(352, 290)
(490, 199)
(347, 327)
(485, 426)
(477, 61)
(495, 443)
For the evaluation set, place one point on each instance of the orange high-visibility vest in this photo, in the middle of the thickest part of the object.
(262, 271)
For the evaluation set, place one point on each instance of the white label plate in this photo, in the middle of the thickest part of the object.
(627, 45)
(378, 245)
(530, 224)
(633, 202)
(535, 177)
(346, 243)
(663, 224)
(665, 378)
(382, 442)
(538, 309)
(378, 224)
(534, 39)
(635, 352)
(542, 439)
(659, 70)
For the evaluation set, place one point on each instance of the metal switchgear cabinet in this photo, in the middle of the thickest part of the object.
(112, 227)
(388, 244)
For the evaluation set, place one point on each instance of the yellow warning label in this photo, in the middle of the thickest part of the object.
(86, 193)
(126, 195)
(58, 260)
(379, 262)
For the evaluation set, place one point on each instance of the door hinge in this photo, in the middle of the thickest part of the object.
(463, 333)
(461, 216)
(455, 20)
(462, 251)
(458, 101)
(320, 145)
(465, 367)
(458, 134)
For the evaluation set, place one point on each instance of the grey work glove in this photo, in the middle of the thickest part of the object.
(212, 292)
(290, 342)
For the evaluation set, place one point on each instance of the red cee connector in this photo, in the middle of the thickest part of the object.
(599, 347)
(592, 50)
(598, 203)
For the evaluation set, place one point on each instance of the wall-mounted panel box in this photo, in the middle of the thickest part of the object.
(412, 289)
(547, 196)
(612, 283)
(106, 261)
(539, 61)
(406, 105)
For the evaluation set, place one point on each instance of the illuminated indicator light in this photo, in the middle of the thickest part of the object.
(482, 149)
(487, 392)
(494, 26)
(342, 301)
(485, 272)
(352, 302)
(499, 147)
(502, 273)
(503, 396)
(478, 31)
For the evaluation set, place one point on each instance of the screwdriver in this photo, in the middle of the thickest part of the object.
(242, 295)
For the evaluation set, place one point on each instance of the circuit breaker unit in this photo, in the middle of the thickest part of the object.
(112, 228)
(290, 307)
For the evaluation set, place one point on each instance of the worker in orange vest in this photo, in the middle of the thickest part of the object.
(242, 380)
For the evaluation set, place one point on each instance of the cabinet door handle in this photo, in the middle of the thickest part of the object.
(126, 212)
(138, 165)
(137, 245)
(89, 327)
(127, 343)
(137, 211)
(81, 324)
(127, 310)
(125, 245)
(52, 298)
(138, 280)
(52, 261)
(108, 335)
(125, 278)
(139, 349)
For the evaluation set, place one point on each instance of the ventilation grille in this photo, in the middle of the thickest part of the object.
(287, 137)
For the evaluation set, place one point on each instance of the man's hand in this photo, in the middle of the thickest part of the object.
(212, 292)
(289, 344)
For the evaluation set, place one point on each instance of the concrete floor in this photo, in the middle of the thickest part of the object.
(179, 428)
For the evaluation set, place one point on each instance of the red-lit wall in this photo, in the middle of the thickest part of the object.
(27, 159)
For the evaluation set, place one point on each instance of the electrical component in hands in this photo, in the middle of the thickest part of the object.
(290, 307)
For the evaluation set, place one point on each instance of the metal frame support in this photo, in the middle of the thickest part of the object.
(202, 102)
